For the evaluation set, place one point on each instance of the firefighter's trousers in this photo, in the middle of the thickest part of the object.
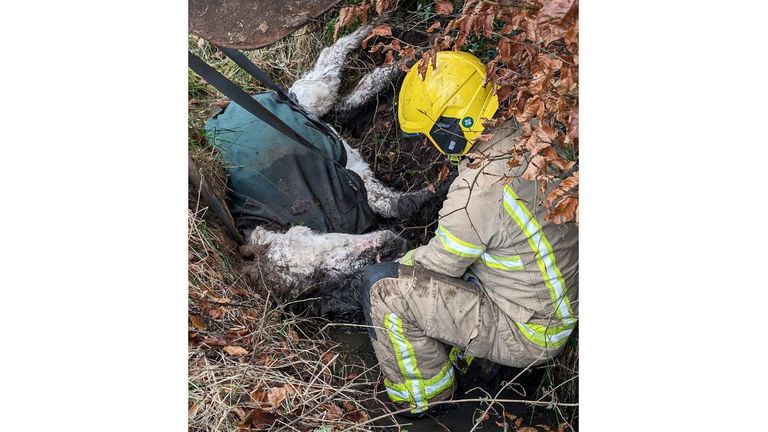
(420, 320)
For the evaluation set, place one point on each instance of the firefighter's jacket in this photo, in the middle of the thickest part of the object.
(492, 227)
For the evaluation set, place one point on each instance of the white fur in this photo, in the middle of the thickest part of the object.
(318, 89)
(370, 85)
(300, 252)
(383, 200)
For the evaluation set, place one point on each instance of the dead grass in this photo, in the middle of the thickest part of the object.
(253, 364)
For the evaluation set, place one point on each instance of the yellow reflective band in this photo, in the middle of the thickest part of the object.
(542, 250)
(501, 262)
(407, 259)
(406, 361)
(547, 337)
(457, 246)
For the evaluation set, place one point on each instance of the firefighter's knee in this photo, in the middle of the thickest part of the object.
(374, 273)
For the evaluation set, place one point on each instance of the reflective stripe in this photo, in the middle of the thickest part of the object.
(415, 390)
(406, 360)
(407, 259)
(455, 245)
(397, 396)
(542, 249)
(501, 262)
(554, 336)
(445, 381)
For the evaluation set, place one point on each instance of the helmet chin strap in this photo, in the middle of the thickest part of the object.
(454, 159)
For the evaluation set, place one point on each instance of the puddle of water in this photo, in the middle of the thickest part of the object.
(355, 342)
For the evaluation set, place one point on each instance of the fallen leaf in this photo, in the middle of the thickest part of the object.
(527, 429)
(259, 419)
(518, 422)
(276, 396)
(443, 7)
(431, 188)
(389, 58)
(215, 313)
(510, 416)
(198, 322)
(433, 27)
(235, 350)
(214, 341)
(544, 427)
(334, 412)
(357, 416)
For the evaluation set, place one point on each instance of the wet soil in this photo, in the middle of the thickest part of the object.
(355, 343)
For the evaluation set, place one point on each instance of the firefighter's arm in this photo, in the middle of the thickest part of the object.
(458, 240)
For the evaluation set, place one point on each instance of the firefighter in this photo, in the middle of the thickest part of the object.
(497, 281)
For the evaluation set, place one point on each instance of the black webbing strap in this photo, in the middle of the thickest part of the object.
(247, 65)
(241, 60)
(240, 97)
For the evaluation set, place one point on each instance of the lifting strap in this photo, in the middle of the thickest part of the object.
(240, 97)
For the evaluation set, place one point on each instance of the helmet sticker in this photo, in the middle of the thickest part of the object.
(467, 122)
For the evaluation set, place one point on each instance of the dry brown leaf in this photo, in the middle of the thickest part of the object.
(328, 358)
(536, 167)
(433, 27)
(518, 422)
(348, 15)
(565, 187)
(431, 187)
(198, 322)
(383, 6)
(234, 350)
(389, 57)
(527, 429)
(215, 313)
(443, 174)
(544, 427)
(484, 137)
(443, 7)
(510, 416)
(357, 416)
(513, 162)
(379, 30)
(259, 419)
(276, 396)
(334, 412)
(531, 107)
(424, 63)
(214, 341)
(565, 211)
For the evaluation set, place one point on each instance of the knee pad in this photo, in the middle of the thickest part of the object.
(374, 273)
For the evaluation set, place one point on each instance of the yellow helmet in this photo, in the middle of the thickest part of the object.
(448, 104)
